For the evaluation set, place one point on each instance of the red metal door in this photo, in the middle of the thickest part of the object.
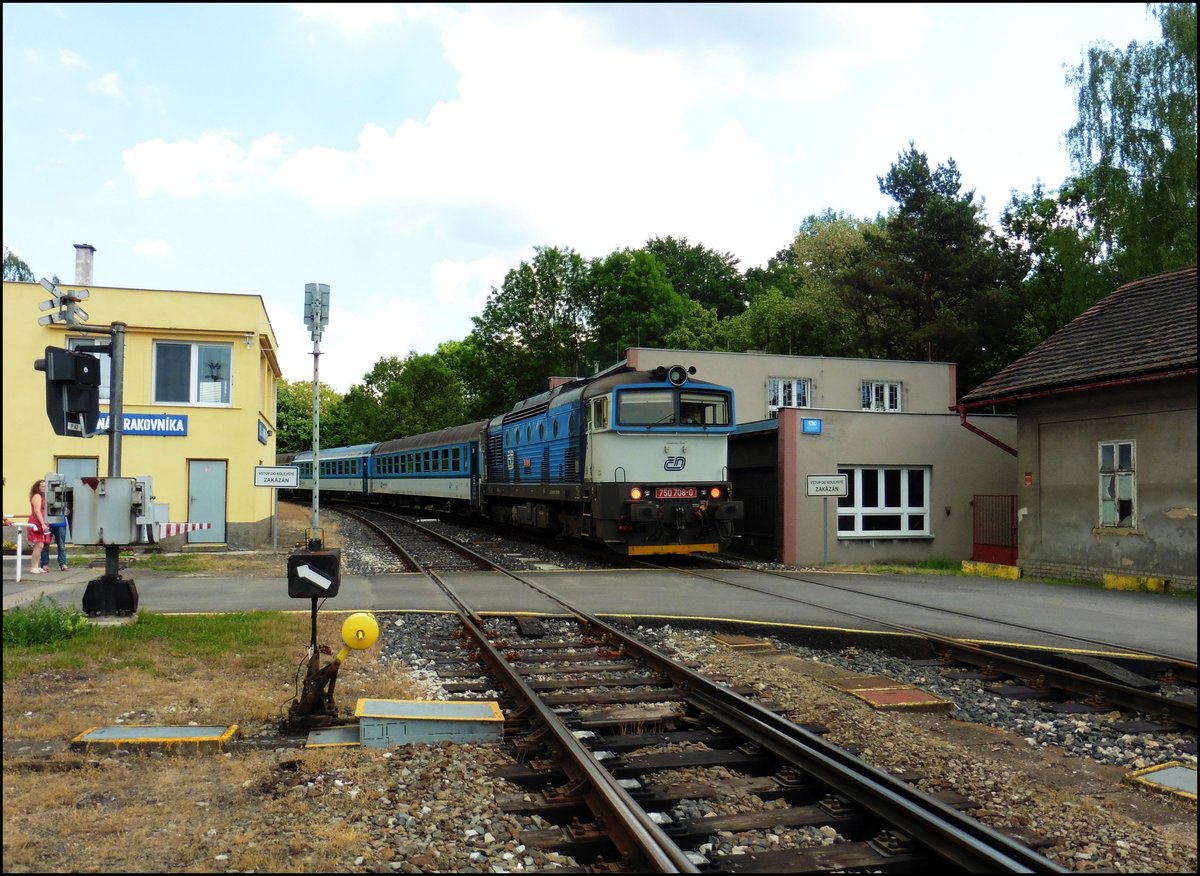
(995, 529)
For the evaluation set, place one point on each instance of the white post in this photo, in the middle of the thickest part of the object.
(21, 527)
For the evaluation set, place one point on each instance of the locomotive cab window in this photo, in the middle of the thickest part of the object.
(646, 408)
(704, 408)
(598, 414)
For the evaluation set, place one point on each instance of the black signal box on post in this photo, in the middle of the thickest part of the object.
(72, 391)
(314, 574)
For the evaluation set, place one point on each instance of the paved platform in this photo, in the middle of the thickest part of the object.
(982, 609)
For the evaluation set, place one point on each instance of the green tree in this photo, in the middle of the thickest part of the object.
(935, 283)
(700, 329)
(535, 325)
(380, 421)
(427, 396)
(1134, 145)
(294, 421)
(780, 273)
(632, 304)
(15, 270)
(1067, 274)
(701, 274)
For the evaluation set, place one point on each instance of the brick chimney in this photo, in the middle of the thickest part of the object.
(84, 253)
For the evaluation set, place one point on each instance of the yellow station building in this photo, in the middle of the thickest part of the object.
(198, 395)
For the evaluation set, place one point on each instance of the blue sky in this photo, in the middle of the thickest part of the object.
(409, 156)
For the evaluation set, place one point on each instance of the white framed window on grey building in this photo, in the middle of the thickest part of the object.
(192, 374)
(84, 345)
(787, 392)
(881, 395)
(1118, 483)
(885, 501)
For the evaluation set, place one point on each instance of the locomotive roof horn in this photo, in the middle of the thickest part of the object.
(676, 374)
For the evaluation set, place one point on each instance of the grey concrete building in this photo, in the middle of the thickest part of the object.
(1106, 437)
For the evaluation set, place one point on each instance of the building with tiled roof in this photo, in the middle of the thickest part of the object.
(1106, 437)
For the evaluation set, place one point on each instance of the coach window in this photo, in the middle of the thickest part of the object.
(197, 374)
(445, 459)
(456, 459)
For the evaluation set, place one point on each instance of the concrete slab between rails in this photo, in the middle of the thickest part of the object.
(1171, 778)
(147, 737)
(991, 570)
(742, 643)
(880, 692)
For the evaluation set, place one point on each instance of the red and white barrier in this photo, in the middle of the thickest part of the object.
(167, 529)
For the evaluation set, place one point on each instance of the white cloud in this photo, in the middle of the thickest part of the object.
(360, 333)
(74, 136)
(107, 84)
(70, 59)
(566, 128)
(465, 285)
(155, 248)
(213, 163)
(354, 19)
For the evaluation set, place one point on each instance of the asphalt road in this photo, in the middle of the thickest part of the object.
(981, 609)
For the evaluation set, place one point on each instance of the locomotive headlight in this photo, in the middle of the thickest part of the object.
(714, 492)
(636, 494)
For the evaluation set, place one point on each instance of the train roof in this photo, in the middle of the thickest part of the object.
(335, 452)
(589, 387)
(449, 435)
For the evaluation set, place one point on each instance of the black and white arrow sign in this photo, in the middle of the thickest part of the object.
(312, 575)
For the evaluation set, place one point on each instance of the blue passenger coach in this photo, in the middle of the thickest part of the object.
(437, 469)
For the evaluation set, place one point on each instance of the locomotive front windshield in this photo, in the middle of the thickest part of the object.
(672, 407)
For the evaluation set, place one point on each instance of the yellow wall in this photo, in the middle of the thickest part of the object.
(224, 432)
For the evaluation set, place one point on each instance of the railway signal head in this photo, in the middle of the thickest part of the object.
(72, 391)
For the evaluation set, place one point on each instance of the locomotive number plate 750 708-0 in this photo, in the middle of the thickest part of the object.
(674, 492)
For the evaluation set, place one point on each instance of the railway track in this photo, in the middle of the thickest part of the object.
(610, 732)
(417, 547)
(1080, 682)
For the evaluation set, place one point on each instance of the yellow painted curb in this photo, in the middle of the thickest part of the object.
(991, 570)
(1135, 582)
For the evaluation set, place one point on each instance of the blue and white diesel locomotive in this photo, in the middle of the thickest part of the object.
(636, 460)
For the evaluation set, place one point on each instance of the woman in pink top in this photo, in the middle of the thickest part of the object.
(39, 532)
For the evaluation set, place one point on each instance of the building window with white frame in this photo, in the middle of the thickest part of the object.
(192, 374)
(1118, 483)
(84, 345)
(881, 395)
(787, 392)
(885, 502)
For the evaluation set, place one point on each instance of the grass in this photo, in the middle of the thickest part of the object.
(251, 637)
(931, 566)
(43, 623)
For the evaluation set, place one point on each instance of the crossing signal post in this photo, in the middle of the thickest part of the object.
(72, 404)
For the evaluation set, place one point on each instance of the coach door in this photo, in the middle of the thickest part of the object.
(206, 499)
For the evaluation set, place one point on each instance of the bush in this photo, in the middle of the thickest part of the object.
(43, 622)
